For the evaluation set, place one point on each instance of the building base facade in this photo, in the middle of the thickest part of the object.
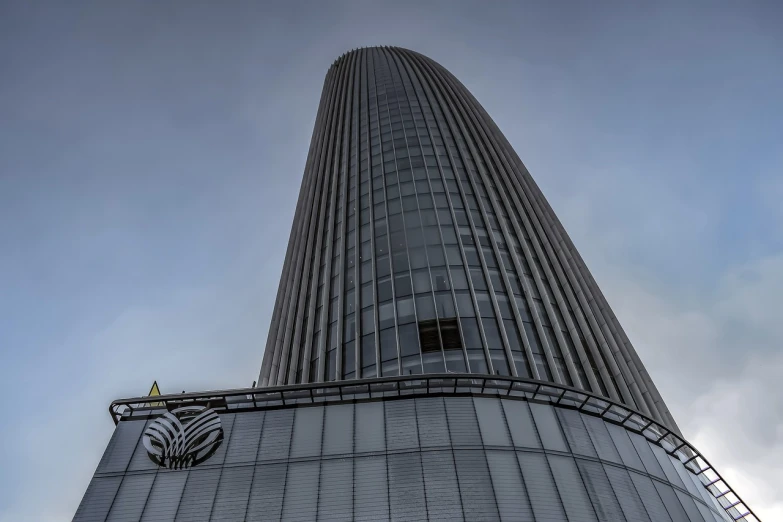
(426, 448)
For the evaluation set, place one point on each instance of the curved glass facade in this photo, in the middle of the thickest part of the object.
(429, 457)
(421, 244)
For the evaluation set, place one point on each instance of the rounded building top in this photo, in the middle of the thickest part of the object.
(422, 245)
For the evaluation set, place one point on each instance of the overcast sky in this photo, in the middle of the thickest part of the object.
(151, 155)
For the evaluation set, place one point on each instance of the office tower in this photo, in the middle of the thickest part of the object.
(421, 244)
(438, 349)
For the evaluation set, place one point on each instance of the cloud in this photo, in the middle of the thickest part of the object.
(701, 306)
(195, 338)
(146, 149)
(717, 362)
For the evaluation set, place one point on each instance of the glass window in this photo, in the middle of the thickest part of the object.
(495, 279)
(276, 434)
(382, 267)
(425, 202)
(464, 304)
(405, 312)
(331, 365)
(349, 359)
(201, 485)
(400, 261)
(370, 430)
(532, 338)
(449, 237)
(386, 315)
(435, 254)
(370, 486)
(485, 305)
(409, 204)
(384, 289)
(338, 429)
(440, 482)
(463, 423)
(477, 277)
(624, 446)
(120, 452)
(453, 255)
(368, 350)
(134, 490)
(307, 422)
(350, 328)
(471, 255)
(402, 284)
(602, 442)
(478, 361)
(572, 489)
(510, 492)
(396, 224)
(244, 445)
(421, 281)
(667, 465)
(441, 201)
(418, 258)
(520, 424)
(650, 498)
(540, 486)
(499, 362)
(475, 485)
(406, 484)
(425, 307)
(336, 484)
(394, 206)
(433, 362)
(455, 361)
(492, 334)
(366, 295)
(575, 432)
(470, 333)
(629, 499)
(388, 345)
(603, 498)
(445, 304)
(401, 425)
(440, 278)
(504, 305)
(491, 421)
(413, 224)
(431, 235)
(428, 218)
(350, 301)
(409, 340)
(648, 457)
(411, 365)
(458, 278)
(544, 372)
(164, 497)
(548, 427)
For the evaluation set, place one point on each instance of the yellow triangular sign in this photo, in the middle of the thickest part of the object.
(154, 392)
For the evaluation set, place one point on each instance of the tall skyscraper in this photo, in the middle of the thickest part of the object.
(421, 244)
(438, 349)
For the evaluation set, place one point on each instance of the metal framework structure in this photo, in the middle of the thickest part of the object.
(421, 244)
(249, 399)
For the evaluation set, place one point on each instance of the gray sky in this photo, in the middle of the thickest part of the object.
(151, 155)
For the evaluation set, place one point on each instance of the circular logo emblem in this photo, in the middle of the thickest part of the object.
(183, 437)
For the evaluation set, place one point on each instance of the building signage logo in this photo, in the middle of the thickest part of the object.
(183, 437)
